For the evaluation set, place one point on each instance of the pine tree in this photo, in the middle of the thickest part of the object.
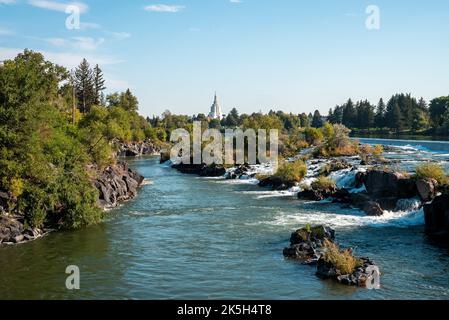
(98, 85)
(84, 83)
(396, 119)
(379, 119)
(349, 114)
(317, 120)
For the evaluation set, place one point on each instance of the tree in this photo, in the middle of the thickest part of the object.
(233, 118)
(98, 85)
(317, 121)
(438, 107)
(349, 114)
(396, 119)
(379, 118)
(85, 87)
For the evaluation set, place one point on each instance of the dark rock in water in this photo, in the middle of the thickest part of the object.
(117, 184)
(312, 195)
(437, 217)
(372, 208)
(238, 173)
(203, 170)
(359, 277)
(276, 183)
(384, 183)
(165, 156)
(213, 171)
(427, 189)
(305, 242)
(12, 230)
(341, 196)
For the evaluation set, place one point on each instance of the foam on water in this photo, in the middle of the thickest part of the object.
(350, 218)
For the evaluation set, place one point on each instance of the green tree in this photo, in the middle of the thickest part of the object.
(99, 86)
(85, 87)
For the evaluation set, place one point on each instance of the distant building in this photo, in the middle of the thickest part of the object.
(215, 110)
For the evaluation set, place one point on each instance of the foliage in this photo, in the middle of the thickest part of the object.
(292, 171)
(324, 183)
(342, 260)
(432, 171)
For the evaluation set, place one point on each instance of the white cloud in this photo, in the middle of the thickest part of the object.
(8, 1)
(89, 25)
(164, 8)
(235, 1)
(66, 59)
(57, 6)
(77, 43)
(121, 35)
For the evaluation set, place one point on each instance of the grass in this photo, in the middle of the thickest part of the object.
(324, 183)
(292, 171)
(343, 260)
(432, 171)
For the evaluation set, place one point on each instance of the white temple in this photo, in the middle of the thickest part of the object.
(215, 110)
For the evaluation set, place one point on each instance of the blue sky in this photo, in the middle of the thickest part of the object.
(292, 55)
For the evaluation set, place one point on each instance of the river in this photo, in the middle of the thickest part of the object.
(186, 237)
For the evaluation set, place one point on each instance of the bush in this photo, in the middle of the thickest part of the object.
(292, 171)
(431, 171)
(324, 183)
(342, 260)
(313, 136)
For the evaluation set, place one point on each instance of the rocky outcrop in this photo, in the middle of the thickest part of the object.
(437, 218)
(359, 277)
(315, 245)
(136, 149)
(203, 170)
(305, 243)
(427, 189)
(116, 184)
(13, 231)
(239, 172)
(276, 183)
(385, 183)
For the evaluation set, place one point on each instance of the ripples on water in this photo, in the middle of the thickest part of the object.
(197, 238)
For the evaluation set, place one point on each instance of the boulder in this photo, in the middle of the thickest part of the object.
(372, 208)
(276, 183)
(385, 183)
(116, 184)
(427, 189)
(437, 217)
(165, 156)
(306, 242)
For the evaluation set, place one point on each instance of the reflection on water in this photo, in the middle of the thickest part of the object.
(187, 237)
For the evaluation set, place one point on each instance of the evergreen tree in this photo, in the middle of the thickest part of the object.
(396, 118)
(379, 119)
(98, 85)
(85, 88)
(349, 114)
(317, 120)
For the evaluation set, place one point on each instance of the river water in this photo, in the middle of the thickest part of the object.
(186, 237)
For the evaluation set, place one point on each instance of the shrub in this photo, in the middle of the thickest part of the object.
(313, 136)
(324, 183)
(342, 260)
(431, 171)
(292, 171)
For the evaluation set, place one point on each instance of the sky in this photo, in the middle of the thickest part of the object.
(290, 55)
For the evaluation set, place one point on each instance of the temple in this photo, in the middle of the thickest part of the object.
(215, 110)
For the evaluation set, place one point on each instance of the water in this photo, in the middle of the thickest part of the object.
(186, 237)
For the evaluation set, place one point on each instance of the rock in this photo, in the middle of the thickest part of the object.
(437, 217)
(276, 183)
(372, 208)
(116, 184)
(136, 149)
(306, 242)
(341, 196)
(311, 195)
(213, 171)
(18, 239)
(165, 156)
(427, 189)
(384, 183)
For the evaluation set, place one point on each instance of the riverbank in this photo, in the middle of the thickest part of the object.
(116, 184)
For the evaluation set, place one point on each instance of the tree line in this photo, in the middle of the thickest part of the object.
(402, 113)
